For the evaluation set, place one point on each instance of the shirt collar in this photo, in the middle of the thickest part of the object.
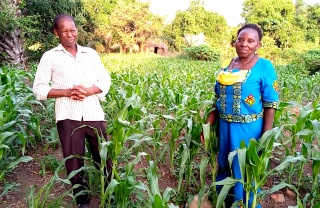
(80, 48)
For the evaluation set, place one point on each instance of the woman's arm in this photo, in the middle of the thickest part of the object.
(213, 116)
(268, 117)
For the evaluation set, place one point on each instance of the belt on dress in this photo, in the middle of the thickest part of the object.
(244, 118)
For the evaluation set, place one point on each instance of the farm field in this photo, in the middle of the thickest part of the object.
(155, 110)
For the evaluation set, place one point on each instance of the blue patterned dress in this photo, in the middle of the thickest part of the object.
(240, 108)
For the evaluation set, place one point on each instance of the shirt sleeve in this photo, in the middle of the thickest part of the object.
(104, 79)
(41, 84)
(269, 87)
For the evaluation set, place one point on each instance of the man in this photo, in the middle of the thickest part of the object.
(78, 81)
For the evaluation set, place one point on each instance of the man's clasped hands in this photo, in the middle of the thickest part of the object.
(79, 92)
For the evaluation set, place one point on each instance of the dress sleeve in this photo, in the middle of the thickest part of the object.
(269, 86)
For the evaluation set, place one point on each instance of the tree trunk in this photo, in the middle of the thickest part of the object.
(11, 46)
(11, 42)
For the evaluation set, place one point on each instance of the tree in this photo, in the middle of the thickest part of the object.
(95, 22)
(313, 24)
(12, 33)
(197, 20)
(45, 11)
(276, 18)
(301, 14)
(133, 23)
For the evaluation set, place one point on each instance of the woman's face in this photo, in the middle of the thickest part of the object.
(247, 42)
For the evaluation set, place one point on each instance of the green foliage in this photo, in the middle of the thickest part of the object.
(19, 127)
(211, 143)
(48, 163)
(97, 12)
(269, 49)
(173, 91)
(196, 20)
(127, 184)
(254, 168)
(313, 27)
(41, 197)
(203, 53)
(306, 61)
(293, 78)
(302, 128)
(14, 28)
(95, 27)
(156, 199)
(166, 112)
(112, 25)
(310, 61)
(275, 18)
(286, 23)
(43, 38)
(133, 23)
(9, 20)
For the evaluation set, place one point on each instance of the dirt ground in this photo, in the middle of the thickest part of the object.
(27, 174)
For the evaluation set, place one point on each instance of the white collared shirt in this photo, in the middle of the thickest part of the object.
(58, 69)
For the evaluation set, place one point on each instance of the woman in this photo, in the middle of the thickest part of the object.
(246, 92)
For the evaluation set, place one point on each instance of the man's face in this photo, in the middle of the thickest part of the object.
(67, 32)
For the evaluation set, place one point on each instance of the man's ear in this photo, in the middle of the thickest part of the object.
(55, 32)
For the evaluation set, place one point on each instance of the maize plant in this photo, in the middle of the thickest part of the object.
(174, 126)
(156, 200)
(211, 142)
(254, 160)
(41, 197)
(188, 150)
(19, 126)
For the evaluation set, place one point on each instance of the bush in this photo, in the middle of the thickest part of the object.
(309, 61)
(203, 52)
(312, 61)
